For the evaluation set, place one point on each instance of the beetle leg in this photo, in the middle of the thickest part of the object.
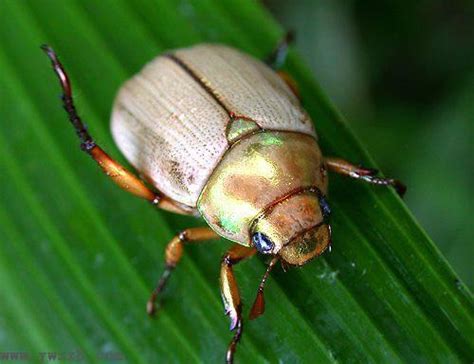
(119, 174)
(277, 58)
(258, 307)
(290, 82)
(173, 254)
(343, 167)
(230, 293)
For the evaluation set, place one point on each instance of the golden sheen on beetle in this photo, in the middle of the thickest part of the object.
(216, 133)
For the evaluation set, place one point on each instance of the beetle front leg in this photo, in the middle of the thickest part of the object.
(173, 254)
(343, 167)
(230, 293)
(114, 170)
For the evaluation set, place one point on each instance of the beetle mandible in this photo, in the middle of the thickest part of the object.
(222, 135)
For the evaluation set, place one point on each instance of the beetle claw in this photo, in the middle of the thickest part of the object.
(399, 187)
(150, 308)
(151, 305)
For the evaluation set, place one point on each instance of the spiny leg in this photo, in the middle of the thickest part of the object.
(121, 176)
(343, 167)
(230, 293)
(173, 254)
(258, 307)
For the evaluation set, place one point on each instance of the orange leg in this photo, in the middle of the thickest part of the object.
(230, 293)
(114, 170)
(343, 167)
(258, 307)
(290, 82)
(173, 254)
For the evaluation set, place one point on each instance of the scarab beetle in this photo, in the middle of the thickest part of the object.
(219, 134)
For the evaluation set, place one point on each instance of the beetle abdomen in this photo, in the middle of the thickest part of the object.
(172, 120)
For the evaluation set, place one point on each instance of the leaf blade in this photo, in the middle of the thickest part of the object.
(339, 325)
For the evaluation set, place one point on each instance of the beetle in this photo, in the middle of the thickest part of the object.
(216, 133)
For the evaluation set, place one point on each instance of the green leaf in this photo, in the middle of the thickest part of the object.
(79, 257)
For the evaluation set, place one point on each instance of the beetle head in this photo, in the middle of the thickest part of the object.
(295, 227)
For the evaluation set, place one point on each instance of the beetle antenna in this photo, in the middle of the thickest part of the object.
(258, 307)
(87, 143)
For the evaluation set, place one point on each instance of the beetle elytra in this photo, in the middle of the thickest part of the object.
(219, 134)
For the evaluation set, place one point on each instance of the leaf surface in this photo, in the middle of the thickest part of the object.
(79, 257)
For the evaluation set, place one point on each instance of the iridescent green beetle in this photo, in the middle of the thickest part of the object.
(221, 135)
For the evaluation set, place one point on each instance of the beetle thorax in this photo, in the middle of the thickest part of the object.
(260, 171)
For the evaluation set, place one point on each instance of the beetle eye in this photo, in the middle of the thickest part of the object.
(262, 243)
(325, 209)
